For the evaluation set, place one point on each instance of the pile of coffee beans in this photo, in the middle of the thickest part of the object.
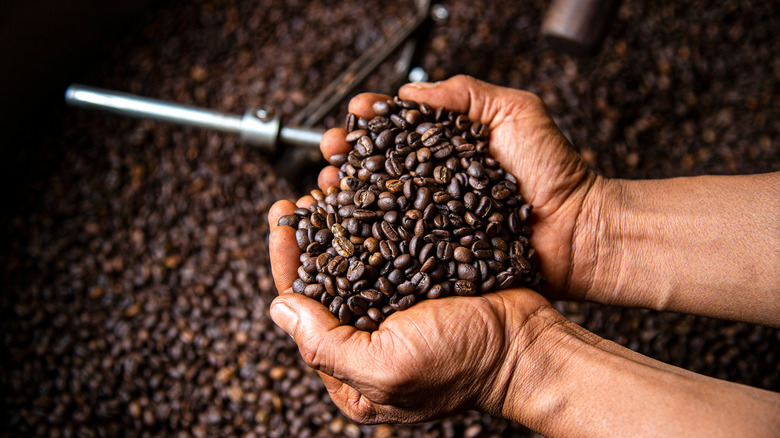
(422, 211)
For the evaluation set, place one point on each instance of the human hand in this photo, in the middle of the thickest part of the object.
(458, 350)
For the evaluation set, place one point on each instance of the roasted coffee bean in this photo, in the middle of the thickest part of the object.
(402, 302)
(375, 314)
(314, 291)
(468, 272)
(429, 264)
(396, 277)
(431, 136)
(465, 288)
(356, 271)
(364, 215)
(355, 135)
(298, 286)
(482, 249)
(365, 323)
(378, 124)
(389, 231)
(345, 315)
(388, 249)
(344, 247)
(382, 108)
(463, 254)
(393, 167)
(289, 220)
(403, 261)
(426, 251)
(524, 213)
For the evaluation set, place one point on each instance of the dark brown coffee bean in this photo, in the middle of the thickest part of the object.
(465, 288)
(355, 135)
(362, 214)
(403, 261)
(345, 315)
(364, 146)
(463, 254)
(426, 251)
(388, 249)
(393, 167)
(431, 136)
(290, 220)
(302, 238)
(444, 250)
(381, 108)
(524, 213)
(356, 271)
(429, 264)
(344, 247)
(402, 302)
(389, 231)
(298, 286)
(364, 198)
(468, 272)
(482, 249)
(379, 124)
(367, 324)
(375, 314)
(358, 305)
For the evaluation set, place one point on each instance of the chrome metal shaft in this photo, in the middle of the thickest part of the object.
(254, 126)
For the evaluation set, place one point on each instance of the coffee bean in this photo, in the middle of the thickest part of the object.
(355, 135)
(366, 323)
(482, 249)
(402, 302)
(389, 231)
(344, 246)
(289, 220)
(378, 124)
(468, 272)
(465, 288)
(431, 136)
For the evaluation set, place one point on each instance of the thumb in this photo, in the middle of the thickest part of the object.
(325, 345)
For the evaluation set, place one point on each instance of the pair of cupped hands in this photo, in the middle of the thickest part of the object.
(456, 353)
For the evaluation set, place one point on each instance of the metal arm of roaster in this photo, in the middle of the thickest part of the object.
(255, 127)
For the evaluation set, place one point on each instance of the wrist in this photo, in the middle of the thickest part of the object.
(592, 245)
(522, 383)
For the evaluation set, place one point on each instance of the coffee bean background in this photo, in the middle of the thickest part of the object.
(135, 279)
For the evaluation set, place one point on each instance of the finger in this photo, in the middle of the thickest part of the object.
(334, 142)
(479, 100)
(329, 176)
(283, 250)
(305, 202)
(361, 409)
(279, 209)
(325, 345)
(361, 105)
(351, 402)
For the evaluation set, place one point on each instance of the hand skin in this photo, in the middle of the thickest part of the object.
(510, 353)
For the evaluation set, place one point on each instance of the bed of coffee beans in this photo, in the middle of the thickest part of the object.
(135, 275)
(422, 210)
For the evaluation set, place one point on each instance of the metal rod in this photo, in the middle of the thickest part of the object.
(254, 127)
(142, 107)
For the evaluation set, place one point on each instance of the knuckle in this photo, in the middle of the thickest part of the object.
(361, 410)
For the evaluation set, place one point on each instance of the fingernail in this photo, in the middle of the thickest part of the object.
(284, 317)
(421, 85)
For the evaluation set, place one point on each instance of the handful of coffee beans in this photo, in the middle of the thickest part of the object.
(422, 211)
